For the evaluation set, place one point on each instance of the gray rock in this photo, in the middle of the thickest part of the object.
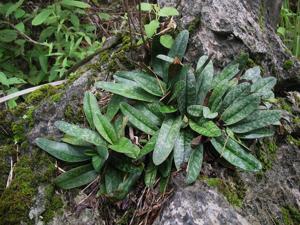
(199, 205)
(228, 28)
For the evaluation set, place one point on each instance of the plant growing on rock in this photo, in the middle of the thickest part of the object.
(166, 114)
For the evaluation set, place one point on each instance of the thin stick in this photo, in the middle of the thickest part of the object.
(10, 176)
(29, 90)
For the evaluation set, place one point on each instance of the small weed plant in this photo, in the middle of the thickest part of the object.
(166, 115)
(40, 45)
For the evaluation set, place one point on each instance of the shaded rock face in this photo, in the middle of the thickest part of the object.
(228, 28)
(199, 205)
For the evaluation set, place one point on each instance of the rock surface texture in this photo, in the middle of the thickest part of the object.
(199, 205)
(228, 28)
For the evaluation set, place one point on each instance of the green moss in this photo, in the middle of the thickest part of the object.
(262, 12)
(16, 200)
(285, 105)
(38, 95)
(233, 192)
(56, 97)
(18, 129)
(293, 141)
(290, 215)
(266, 153)
(288, 64)
(74, 115)
(53, 205)
(194, 24)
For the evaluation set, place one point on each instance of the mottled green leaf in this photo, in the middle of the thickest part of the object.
(235, 154)
(215, 100)
(178, 88)
(127, 147)
(113, 178)
(167, 136)
(179, 46)
(145, 81)
(146, 7)
(165, 58)
(182, 148)
(252, 74)
(195, 110)
(149, 146)
(137, 119)
(75, 141)
(263, 86)
(165, 109)
(113, 106)
(90, 106)
(257, 120)
(150, 174)
(237, 92)
(128, 91)
(165, 168)
(76, 177)
(259, 133)
(187, 96)
(145, 111)
(240, 109)
(227, 73)
(194, 164)
(62, 151)
(207, 128)
(82, 133)
(204, 78)
(97, 163)
(127, 185)
(208, 114)
(105, 128)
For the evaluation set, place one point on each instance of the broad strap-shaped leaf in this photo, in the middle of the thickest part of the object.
(187, 96)
(240, 109)
(102, 151)
(128, 91)
(257, 120)
(165, 58)
(259, 133)
(150, 174)
(125, 164)
(227, 73)
(76, 177)
(62, 151)
(182, 148)
(195, 110)
(263, 87)
(177, 89)
(237, 92)
(105, 128)
(215, 100)
(113, 106)
(144, 110)
(205, 128)
(204, 78)
(167, 136)
(145, 81)
(208, 114)
(75, 141)
(137, 119)
(235, 154)
(149, 146)
(97, 163)
(87, 110)
(127, 147)
(113, 178)
(82, 133)
(155, 109)
(194, 164)
(252, 74)
(165, 109)
(180, 44)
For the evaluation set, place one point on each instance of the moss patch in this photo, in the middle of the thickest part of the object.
(233, 192)
(29, 172)
(290, 215)
(288, 64)
(293, 141)
(194, 24)
(266, 153)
